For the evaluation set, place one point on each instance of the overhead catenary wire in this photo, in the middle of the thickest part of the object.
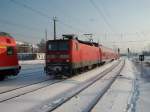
(2, 21)
(70, 26)
(102, 15)
(19, 34)
(124, 42)
(30, 8)
(41, 13)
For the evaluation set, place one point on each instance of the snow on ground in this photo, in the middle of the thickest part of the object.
(82, 102)
(118, 97)
(32, 62)
(30, 73)
(21, 81)
(30, 66)
(46, 95)
(142, 103)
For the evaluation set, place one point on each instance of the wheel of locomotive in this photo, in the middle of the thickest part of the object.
(74, 72)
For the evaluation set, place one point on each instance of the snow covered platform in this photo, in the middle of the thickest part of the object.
(119, 97)
(141, 100)
(32, 62)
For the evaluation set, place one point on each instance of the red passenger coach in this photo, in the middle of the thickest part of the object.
(108, 54)
(8, 56)
(68, 55)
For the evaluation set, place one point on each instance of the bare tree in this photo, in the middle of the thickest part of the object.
(42, 46)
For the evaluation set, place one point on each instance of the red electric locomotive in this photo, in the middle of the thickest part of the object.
(8, 56)
(68, 55)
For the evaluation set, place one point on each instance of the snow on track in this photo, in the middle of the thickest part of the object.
(29, 74)
(24, 90)
(33, 100)
(22, 81)
(141, 102)
(26, 62)
(118, 98)
(84, 101)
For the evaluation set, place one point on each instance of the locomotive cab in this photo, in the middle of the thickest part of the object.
(8, 56)
(58, 56)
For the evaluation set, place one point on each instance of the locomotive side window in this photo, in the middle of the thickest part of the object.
(58, 46)
(10, 50)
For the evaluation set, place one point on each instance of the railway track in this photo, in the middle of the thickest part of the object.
(99, 96)
(13, 93)
(29, 74)
(25, 74)
(32, 68)
(59, 100)
(20, 92)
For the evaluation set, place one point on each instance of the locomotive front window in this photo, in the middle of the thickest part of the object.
(10, 51)
(58, 46)
(63, 46)
(53, 46)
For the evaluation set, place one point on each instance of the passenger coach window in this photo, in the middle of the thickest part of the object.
(10, 50)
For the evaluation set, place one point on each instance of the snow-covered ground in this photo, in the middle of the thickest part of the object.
(37, 99)
(84, 100)
(32, 62)
(122, 96)
(118, 98)
(142, 103)
(31, 72)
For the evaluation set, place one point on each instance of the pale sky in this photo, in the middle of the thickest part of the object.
(114, 23)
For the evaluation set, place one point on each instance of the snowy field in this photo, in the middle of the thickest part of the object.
(33, 91)
(32, 100)
(142, 102)
(31, 72)
(118, 97)
(27, 62)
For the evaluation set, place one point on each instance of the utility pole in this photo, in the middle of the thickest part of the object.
(46, 35)
(105, 36)
(118, 50)
(128, 52)
(54, 20)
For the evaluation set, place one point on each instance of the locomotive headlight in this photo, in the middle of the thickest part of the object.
(64, 56)
(67, 60)
(51, 56)
(58, 56)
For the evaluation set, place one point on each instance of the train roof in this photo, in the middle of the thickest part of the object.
(89, 43)
(80, 41)
(73, 36)
(5, 34)
(6, 39)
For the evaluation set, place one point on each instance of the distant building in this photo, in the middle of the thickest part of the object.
(24, 47)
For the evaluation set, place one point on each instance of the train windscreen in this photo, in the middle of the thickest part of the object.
(5, 34)
(10, 50)
(58, 46)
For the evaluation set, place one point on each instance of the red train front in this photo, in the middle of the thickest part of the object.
(8, 56)
(69, 55)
